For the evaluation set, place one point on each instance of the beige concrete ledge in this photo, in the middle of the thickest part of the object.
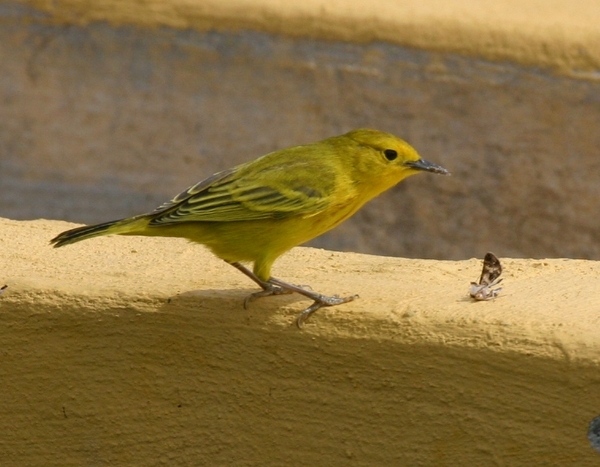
(560, 34)
(137, 351)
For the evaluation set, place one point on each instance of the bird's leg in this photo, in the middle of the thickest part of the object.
(278, 287)
(267, 288)
(319, 300)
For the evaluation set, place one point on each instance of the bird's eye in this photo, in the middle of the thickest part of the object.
(390, 154)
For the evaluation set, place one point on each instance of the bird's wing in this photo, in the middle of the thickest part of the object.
(194, 190)
(270, 193)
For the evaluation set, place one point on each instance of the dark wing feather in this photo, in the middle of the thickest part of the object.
(228, 196)
(193, 190)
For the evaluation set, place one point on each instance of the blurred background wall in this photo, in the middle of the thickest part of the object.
(99, 122)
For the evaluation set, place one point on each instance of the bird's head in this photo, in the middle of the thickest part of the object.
(384, 160)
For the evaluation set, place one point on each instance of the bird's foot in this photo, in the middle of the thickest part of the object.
(277, 287)
(267, 291)
(321, 301)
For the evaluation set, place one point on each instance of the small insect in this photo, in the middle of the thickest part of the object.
(490, 277)
(2, 288)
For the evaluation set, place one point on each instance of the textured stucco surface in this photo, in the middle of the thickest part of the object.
(559, 34)
(137, 351)
(103, 121)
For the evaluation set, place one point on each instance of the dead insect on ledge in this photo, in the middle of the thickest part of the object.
(490, 277)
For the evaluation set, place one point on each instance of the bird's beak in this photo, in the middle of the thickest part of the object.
(427, 166)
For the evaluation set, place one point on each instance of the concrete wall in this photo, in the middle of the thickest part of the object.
(138, 352)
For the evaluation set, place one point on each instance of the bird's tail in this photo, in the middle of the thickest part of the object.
(122, 227)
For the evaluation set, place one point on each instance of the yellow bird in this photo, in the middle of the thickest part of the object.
(257, 211)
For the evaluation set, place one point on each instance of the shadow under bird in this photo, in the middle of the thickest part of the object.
(257, 211)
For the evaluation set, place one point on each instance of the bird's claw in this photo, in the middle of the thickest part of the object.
(277, 287)
(267, 292)
(320, 302)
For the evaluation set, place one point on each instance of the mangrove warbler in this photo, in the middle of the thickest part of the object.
(259, 210)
